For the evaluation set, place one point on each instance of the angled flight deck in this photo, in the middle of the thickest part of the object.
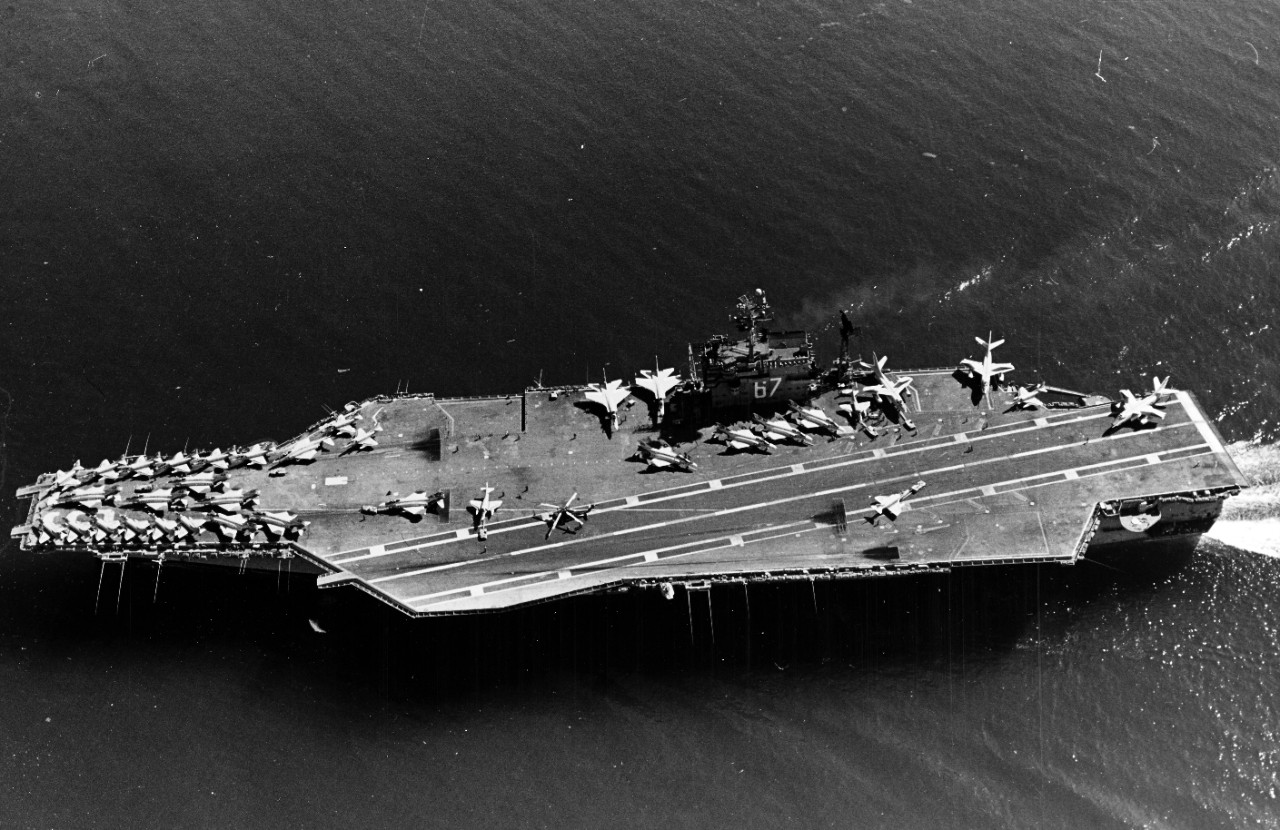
(394, 503)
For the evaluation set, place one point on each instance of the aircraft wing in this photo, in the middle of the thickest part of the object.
(1001, 368)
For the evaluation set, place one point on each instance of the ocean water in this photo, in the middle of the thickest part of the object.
(217, 219)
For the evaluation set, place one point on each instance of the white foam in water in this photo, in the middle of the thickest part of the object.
(1255, 535)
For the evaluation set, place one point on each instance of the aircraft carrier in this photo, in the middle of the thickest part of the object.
(753, 463)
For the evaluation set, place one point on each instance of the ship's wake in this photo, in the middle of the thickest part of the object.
(1251, 520)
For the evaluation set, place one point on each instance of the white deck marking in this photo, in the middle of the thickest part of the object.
(646, 556)
(1154, 458)
(1070, 474)
(989, 490)
(632, 501)
(847, 488)
(797, 468)
(1041, 422)
(1198, 419)
(860, 457)
(1049, 476)
(960, 438)
(715, 484)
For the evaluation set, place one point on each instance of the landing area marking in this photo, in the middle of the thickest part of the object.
(846, 488)
(816, 466)
(720, 543)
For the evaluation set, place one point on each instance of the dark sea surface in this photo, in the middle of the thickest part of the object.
(218, 218)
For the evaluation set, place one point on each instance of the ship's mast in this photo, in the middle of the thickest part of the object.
(752, 313)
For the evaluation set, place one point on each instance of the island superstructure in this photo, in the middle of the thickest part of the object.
(755, 462)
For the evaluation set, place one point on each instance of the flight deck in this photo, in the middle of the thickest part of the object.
(1002, 484)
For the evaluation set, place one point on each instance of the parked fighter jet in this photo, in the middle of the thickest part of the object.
(230, 527)
(610, 396)
(136, 529)
(813, 418)
(303, 449)
(1028, 397)
(281, 524)
(781, 430)
(482, 510)
(200, 483)
(660, 455)
(89, 498)
(106, 471)
(565, 514)
(140, 467)
(1142, 411)
(743, 439)
(70, 478)
(363, 439)
(891, 506)
(178, 464)
(154, 499)
(194, 525)
(987, 369)
(229, 500)
(659, 383)
(416, 504)
(255, 456)
(891, 391)
(344, 422)
(217, 459)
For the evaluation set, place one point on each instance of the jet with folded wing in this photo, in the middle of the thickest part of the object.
(986, 370)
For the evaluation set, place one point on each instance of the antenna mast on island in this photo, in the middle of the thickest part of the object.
(752, 313)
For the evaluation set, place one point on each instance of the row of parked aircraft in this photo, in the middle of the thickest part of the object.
(659, 383)
(344, 424)
(108, 526)
(145, 467)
